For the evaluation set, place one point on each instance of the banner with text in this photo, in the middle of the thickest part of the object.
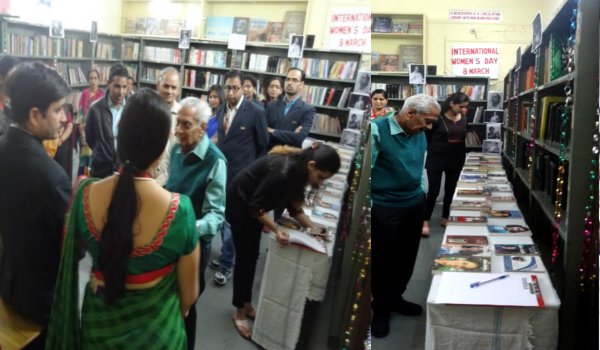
(475, 15)
(350, 29)
(469, 60)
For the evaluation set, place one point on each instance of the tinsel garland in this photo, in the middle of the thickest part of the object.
(533, 121)
(588, 265)
(564, 126)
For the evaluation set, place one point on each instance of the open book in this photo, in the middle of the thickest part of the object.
(305, 240)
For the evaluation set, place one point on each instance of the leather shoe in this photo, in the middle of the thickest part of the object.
(408, 309)
(380, 325)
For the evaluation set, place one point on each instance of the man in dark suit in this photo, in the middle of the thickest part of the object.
(242, 137)
(34, 191)
(289, 119)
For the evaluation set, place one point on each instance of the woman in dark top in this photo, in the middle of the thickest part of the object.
(277, 180)
(274, 90)
(446, 154)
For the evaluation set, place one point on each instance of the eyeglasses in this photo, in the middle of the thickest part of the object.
(233, 88)
(293, 80)
(275, 87)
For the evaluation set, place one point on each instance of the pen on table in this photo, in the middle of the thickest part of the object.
(477, 284)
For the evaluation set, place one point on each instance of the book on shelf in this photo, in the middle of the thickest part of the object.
(294, 23)
(275, 32)
(323, 123)
(130, 50)
(218, 28)
(478, 115)
(466, 239)
(415, 27)
(212, 58)
(162, 54)
(467, 220)
(515, 249)
(381, 24)
(465, 249)
(399, 25)
(520, 263)
(529, 78)
(546, 103)
(454, 263)
(257, 29)
(409, 54)
(509, 230)
(104, 50)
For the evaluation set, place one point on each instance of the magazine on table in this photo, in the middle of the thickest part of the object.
(451, 263)
(515, 249)
(519, 263)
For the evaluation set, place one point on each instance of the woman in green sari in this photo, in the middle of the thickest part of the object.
(143, 245)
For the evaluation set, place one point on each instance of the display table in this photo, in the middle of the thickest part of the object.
(491, 327)
(291, 276)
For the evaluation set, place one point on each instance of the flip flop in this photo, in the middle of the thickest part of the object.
(252, 315)
(242, 328)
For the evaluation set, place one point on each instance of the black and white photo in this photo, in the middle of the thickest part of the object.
(518, 61)
(492, 146)
(350, 137)
(94, 32)
(537, 32)
(493, 116)
(358, 101)
(240, 25)
(239, 33)
(494, 99)
(56, 29)
(355, 119)
(493, 131)
(185, 36)
(296, 46)
(417, 74)
(363, 82)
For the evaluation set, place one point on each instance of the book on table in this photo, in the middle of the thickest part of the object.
(502, 198)
(508, 214)
(476, 191)
(464, 263)
(465, 249)
(509, 230)
(515, 249)
(472, 205)
(520, 263)
(467, 220)
(466, 239)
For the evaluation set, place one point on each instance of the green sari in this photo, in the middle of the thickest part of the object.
(140, 319)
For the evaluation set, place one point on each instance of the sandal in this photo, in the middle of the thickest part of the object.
(242, 328)
(251, 315)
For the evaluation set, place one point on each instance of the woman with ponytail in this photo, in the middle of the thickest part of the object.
(143, 245)
(277, 180)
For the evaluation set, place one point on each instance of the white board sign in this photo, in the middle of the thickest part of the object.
(471, 60)
(350, 29)
(475, 15)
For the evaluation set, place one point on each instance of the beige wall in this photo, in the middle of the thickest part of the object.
(513, 31)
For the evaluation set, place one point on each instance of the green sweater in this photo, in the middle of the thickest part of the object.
(397, 159)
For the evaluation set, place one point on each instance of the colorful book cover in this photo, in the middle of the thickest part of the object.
(471, 205)
(467, 220)
(471, 192)
(409, 54)
(523, 264)
(258, 29)
(382, 24)
(275, 32)
(450, 263)
(505, 214)
(294, 23)
(505, 198)
(464, 249)
(218, 28)
(463, 239)
(509, 230)
(515, 249)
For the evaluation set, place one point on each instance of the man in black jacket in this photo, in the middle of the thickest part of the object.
(102, 123)
(34, 191)
(289, 119)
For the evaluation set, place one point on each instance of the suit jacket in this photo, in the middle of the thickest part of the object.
(246, 140)
(34, 190)
(300, 114)
(100, 138)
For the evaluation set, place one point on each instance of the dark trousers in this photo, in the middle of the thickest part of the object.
(190, 320)
(395, 234)
(434, 177)
(246, 238)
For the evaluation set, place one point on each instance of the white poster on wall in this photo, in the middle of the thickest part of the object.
(350, 29)
(475, 60)
(475, 15)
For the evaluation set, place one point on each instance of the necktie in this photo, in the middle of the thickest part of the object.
(226, 121)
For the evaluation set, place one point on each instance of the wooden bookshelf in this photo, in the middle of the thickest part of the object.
(402, 35)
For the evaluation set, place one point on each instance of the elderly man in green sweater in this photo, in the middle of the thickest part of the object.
(398, 188)
(198, 169)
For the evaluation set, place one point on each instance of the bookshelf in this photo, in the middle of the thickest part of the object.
(396, 40)
(399, 89)
(534, 112)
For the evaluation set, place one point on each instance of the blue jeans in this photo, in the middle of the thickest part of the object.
(228, 249)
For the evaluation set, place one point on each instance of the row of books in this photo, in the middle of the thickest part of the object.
(268, 63)
(484, 199)
(44, 46)
(388, 24)
(259, 29)
(162, 54)
(130, 50)
(213, 58)
(323, 123)
(103, 73)
(73, 100)
(71, 73)
(439, 91)
(133, 70)
(150, 74)
(546, 170)
(552, 108)
(202, 79)
(105, 51)
(472, 138)
(326, 96)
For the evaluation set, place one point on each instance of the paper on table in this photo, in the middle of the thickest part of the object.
(515, 290)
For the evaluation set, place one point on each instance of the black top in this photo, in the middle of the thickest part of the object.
(268, 183)
(34, 191)
(446, 144)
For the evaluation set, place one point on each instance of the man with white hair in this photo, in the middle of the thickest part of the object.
(398, 186)
(198, 169)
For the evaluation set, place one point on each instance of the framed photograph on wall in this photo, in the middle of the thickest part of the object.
(493, 116)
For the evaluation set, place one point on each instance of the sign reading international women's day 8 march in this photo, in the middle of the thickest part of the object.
(350, 29)
(470, 60)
